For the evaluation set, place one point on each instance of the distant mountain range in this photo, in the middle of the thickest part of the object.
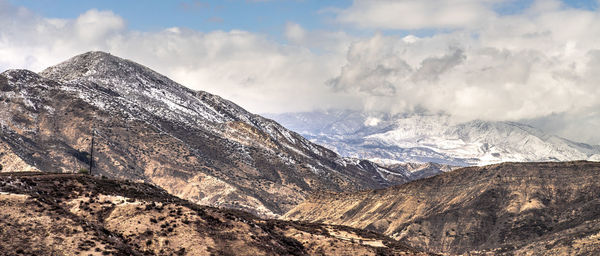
(191, 143)
(389, 139)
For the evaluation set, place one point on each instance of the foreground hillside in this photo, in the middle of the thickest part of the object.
(147, 127)
(68, 214)
(523, 208)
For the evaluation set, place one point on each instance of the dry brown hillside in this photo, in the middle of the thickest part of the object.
(522, 208)
(70, 214)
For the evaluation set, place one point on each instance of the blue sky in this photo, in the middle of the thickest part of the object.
(268, 17)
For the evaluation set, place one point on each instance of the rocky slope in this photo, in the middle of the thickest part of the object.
(510, 208)
(193, 144)
(425, 138)
(70, 214)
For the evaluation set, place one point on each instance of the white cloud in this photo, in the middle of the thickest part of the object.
(94, 25)
(416, 14)
(540, 65)
(35, 42)
(294, 32)
(247, 68)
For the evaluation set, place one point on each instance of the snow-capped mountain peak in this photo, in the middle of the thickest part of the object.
(433, 138)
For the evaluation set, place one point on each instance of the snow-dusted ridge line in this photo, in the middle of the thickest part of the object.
(148, 93)
(432, 138)
(184, 105)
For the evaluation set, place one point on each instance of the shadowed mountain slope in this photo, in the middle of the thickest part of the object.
(522, 208)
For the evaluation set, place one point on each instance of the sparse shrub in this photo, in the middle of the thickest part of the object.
(83, 171)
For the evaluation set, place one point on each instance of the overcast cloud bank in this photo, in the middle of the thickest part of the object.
(540, 65)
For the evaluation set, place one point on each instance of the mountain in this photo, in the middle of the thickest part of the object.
(389, 139)
(508, 208)
(146, 127)
(415, 171)
(71, 214)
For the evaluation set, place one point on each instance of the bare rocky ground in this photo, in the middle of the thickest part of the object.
(503, 209)
(75, 214)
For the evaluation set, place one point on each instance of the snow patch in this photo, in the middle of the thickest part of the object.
(372, 121)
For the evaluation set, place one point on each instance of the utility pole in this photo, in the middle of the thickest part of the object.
(92, 151)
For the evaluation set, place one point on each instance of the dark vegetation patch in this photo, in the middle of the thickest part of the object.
(82, 156)
(4, 86)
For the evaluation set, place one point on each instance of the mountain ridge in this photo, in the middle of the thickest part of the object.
(546, 208)
(415, 137)
(193, 144)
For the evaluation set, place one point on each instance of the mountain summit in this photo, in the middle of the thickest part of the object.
(147, 127)
(95, 64)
